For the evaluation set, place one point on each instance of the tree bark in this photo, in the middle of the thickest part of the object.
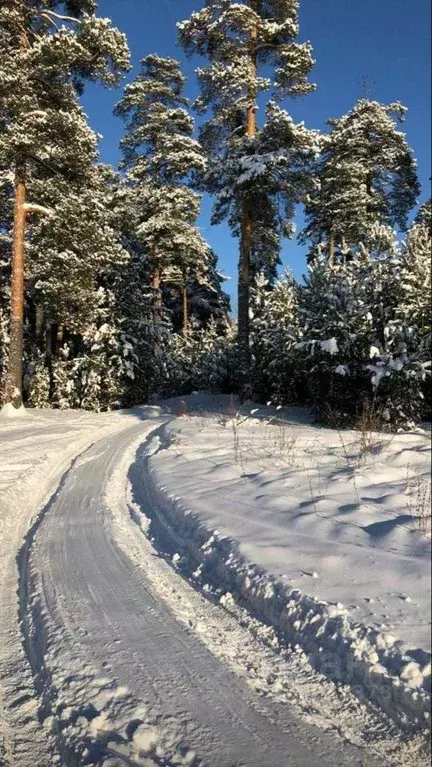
(13, 391)
(39, 323)
(331, 246)
(156, 285)
(59, 338)
(246, 239)
(185, 311)
(14, 376)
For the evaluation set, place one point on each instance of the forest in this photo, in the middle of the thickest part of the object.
(110, 296)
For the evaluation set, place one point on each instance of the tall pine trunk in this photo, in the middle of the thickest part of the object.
(39, 320)
(247, 221)
(185, 310)
(157, 292)
(331, 245)
(14, 377)
(13, 392)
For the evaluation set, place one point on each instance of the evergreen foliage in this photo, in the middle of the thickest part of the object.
(123, 296)
(366, 174)
(161, 158)
(204, 360)
(360, 346)
(47, 155)
(206, 300)
(275, 329)
(251, 49)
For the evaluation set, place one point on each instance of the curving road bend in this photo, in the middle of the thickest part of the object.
(122, 681)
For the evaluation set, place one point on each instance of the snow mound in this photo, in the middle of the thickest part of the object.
(9, 411)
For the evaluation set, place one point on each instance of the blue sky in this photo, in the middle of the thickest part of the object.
(386, 40)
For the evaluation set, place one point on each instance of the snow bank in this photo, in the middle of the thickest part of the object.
(231, 517)
(9, 411)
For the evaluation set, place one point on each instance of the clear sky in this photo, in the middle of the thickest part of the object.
(388, 41)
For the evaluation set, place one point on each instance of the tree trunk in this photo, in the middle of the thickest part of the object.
(39, 312)
(14, 377)
(185, 311)
(50, 335)
(13, 392)
(156, 285)
(331, 246)
(247, 221)
(59, 338)
(243, 293)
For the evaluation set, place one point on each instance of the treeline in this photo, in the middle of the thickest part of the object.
(109, 292)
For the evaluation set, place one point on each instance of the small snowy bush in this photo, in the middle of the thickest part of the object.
(37, 383)
(202, 360)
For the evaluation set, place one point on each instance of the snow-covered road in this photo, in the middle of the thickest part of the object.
(120, 678)
(109, 656)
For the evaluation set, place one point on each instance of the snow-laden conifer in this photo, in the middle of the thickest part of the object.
(360, 349)
(162, 158)
(49, 50)
(415, 304)
(251, 49)
(366, 174)
(195, 297)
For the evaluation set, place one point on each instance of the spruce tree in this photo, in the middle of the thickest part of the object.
(251, 48)
(366, 174)
(49, 50)
(361, 350)
(275, 328)
(208, 301)
(162, 158)
(75, 257)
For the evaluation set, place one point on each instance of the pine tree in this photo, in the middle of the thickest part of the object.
(103, 355)
(424, 215)
(69, 250)
(47, 56)
(208, 301)
(161, 158)
(415, 304)
(4, 301)
(251, 48)
(366, 174)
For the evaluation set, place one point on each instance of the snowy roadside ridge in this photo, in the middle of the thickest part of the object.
(346, 651)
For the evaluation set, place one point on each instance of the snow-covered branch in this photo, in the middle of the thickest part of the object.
(31, 207)
(60, 17)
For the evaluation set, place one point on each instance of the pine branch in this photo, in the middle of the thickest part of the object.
(31, 207)
(58, 16)
(269, 46)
